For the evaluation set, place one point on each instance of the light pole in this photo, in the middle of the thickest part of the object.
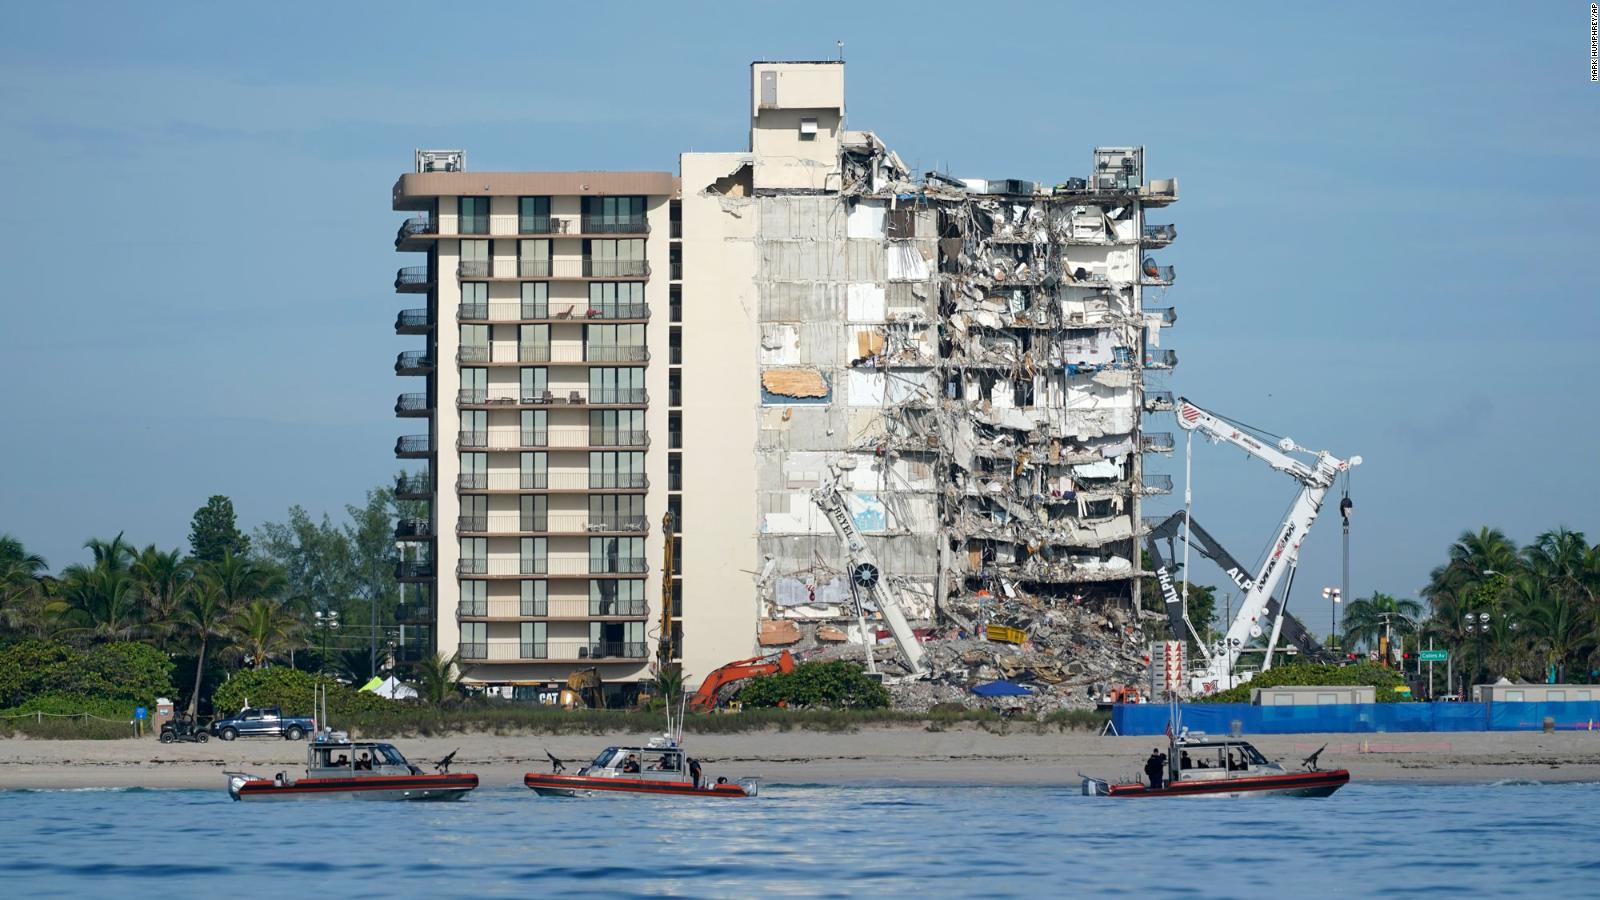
(327, 620)
(1334, 594)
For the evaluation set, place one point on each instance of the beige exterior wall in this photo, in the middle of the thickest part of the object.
(721, 393)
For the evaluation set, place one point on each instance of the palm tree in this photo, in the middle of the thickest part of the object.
(205, 617)
(116, 554)
(1367, 618)
(22, 586)
(164, 579)
(437, 678)
(263, 629)
(101, 601)
(1549, 620)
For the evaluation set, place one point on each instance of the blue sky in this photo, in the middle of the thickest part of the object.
(1384, 248)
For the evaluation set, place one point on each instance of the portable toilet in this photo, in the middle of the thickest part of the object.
(163, 715)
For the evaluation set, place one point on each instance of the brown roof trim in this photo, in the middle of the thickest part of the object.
(414, 189)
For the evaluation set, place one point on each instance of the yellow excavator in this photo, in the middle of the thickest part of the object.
(583, 690)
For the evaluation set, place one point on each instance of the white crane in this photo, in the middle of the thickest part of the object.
(1315, 478)
(865, 573)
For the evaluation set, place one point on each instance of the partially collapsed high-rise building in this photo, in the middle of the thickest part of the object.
(967, 360)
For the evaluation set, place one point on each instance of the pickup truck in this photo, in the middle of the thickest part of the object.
(261, 720)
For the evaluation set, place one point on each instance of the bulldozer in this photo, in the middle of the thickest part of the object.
(583, 690)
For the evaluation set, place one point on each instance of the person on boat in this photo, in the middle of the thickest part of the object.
(631, 764)
(364, 762)
(694, 771)
(342, 761)
(1185, 761)
(1153, 768)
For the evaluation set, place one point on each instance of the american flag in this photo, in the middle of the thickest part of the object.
(1190, 413)
(1169, 729)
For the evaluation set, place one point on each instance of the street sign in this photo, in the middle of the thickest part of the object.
(1433, 655)
(140, 712)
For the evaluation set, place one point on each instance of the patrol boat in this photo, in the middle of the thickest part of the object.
(658, 768)
(364, 770)
(1198, 766)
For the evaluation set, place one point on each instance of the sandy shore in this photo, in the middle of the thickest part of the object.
(870, 756)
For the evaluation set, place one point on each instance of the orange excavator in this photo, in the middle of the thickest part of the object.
(705, 699)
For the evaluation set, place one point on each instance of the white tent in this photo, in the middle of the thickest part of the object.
(392, 688)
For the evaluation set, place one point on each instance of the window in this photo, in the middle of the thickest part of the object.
(617, 597)
(474, 556)
(474, 385)
(535, 471)
(675, 430)
(474, 260)
(535, 300)
(474, 513)
(612, 469)
(616, 385)
(474, 300)
(535, 385)
(474, 598)
(808, 129)
(616, 554)
(675, 506)
(614, 343)
(475, 640)
(533, 215)
(533, 259)
(474, 341)
(616, 512)
(474, 471)
(617, 299)
(614, 259)
(535, 430)
(535, 598)
(535, 645)
(474, 213)
(1514, 696)
(617, 428)
(533, 513)
(616, 639)
(613, 215)
(675, 302)
(533, 343)
(674, 471)
(535, 555)
(474, 428)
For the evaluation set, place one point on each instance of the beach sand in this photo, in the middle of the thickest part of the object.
(871, 756)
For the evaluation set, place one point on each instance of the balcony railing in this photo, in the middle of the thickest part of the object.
(1160, 234)
(412, 320)
(474, 650)
(414, 226)
(555, 650)
(411, 278)
(1158, 401)
(414, 613)
(413, 444)
(509, 608)
(558, 523)
(405, 528)
(418, 484)
(1154, 274)
(543, 565)
(416, 361)
(1160, 359)
(546, 481)
(472, 353)
(410, 403)
(1159, 442)
(474, 268)
(614, 225)
(539, 225)
(560, 353)
(675, 272)
(1157, 484)
(608, 650)
(676, 229)
(414, 568)
(472, 225)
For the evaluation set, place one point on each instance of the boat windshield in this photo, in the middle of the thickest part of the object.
(601, 761)
(386, 754)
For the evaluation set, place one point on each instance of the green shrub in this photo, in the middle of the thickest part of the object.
(1297, 674)
(292, 690)
(121, 670)
(836, 684)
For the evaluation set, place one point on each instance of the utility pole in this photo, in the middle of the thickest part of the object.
(1345, 506)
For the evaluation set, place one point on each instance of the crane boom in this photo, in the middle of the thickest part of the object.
(865, 573)
(1284, 554)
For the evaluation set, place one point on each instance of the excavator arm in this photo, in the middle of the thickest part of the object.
(705, 699)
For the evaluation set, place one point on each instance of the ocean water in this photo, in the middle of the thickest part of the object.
(807, 840)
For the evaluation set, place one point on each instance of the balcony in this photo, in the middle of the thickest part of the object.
(1157, 484)
(513, 311)
(1158, 401)
(473, 225)
(559, 566)
(1160, 359)
(415, 446)
(413, 362)
(411, 405)
(413, 528)
(412, 280)
(473, 353)
(414, 614)
(417, 486)
(1152, 274)
(1159, 235)
(570, 650)
(615, 225)
(414, 233)
(474, 268)
(579, 353)
(511, 396)
(574, 437)
(566, 609)
(580, 482)
(413, 569)
(557, 523)
(1160, 442)
(413, 321)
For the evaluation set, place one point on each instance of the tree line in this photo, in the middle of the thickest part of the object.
(231, 602)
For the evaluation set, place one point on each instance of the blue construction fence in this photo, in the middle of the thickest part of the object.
(1218, 718)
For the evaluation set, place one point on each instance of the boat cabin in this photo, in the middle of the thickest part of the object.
(347, 759)
(1211, 759)
(659, 763)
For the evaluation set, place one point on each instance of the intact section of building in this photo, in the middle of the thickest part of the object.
(966, 358)
(541, 419)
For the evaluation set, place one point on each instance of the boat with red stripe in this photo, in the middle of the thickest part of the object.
(661, 768)
(1226, 767)
(337, 767)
